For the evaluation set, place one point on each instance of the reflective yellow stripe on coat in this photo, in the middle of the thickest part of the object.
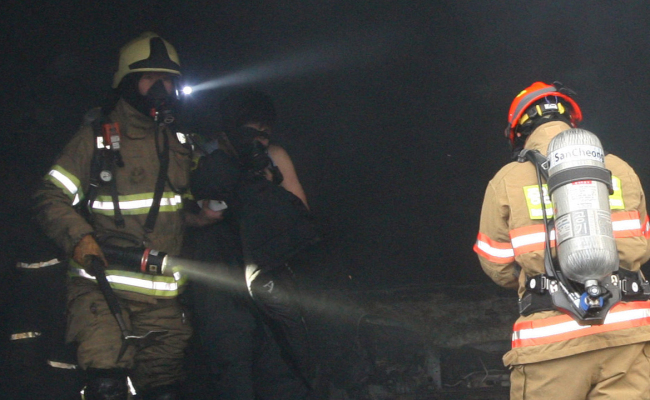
(151, 285)
(137, 204)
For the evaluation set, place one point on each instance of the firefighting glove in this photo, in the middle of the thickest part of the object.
(85, 250)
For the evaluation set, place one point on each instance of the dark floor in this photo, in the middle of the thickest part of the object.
(382, 345)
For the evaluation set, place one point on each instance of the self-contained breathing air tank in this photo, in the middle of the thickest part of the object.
(579, 186)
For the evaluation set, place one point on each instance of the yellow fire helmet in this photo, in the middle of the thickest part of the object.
(147, 52)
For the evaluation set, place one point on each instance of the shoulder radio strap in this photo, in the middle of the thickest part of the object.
(541, 166)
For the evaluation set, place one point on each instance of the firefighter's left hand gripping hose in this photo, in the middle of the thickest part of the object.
(86, 251)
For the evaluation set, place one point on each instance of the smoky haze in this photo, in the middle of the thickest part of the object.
(392, 111)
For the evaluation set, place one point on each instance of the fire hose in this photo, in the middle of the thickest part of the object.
(128, 338)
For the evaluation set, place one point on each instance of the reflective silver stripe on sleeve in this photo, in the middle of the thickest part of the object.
(65, 181)
(493, 251)
(61, 365)
(68, 184)
(24, 335)
(42, 264)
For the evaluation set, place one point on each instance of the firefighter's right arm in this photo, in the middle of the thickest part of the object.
(493, 246)
(62, 188)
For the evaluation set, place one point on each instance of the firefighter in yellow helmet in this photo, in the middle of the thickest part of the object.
(571, 349)
(119, 182)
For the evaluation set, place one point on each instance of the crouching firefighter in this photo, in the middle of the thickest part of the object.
(566, 225)
(125, 170)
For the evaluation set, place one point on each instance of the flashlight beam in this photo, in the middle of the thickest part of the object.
(296, 65)
(216, 274)
(220, 277)
(308, 62)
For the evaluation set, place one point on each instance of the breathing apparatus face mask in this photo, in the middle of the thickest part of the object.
(244, 137)
(252, 153)
(160, 103)
(157, 103)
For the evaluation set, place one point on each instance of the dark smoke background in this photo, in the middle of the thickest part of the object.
(393, 111)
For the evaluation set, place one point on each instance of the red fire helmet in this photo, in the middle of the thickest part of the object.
(531, 94)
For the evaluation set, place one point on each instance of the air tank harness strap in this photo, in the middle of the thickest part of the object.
(106, 157)
(538, 160)
(537, 297)
(582, 173)
(634, 286)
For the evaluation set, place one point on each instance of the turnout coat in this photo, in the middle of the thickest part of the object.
(510, 246)
(68, 181)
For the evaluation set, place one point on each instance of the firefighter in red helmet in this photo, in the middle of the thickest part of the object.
(560, 349)
(536, 105)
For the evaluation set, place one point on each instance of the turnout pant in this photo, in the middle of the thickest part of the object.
(92, 326)
(621, 372)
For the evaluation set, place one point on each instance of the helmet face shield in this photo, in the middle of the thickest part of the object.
(147, 53)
